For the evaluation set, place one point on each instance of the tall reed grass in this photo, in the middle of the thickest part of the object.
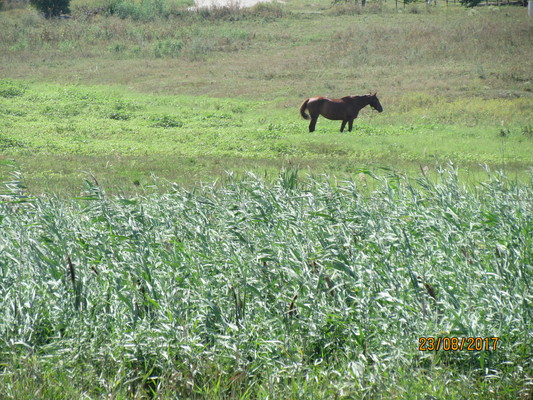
(300, 289)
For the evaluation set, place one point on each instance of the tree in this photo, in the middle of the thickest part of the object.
(51, 8)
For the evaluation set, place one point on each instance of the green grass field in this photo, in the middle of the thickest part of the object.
(59, 133)
(170, 229)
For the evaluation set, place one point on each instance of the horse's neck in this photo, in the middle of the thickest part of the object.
(360, 101)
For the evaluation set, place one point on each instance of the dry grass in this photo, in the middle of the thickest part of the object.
(448, 51)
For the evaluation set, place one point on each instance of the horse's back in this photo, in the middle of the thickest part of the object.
(317, 98)
(341, 100)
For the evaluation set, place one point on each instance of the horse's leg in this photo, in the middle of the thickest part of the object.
(314, 112)
(350, 124)
(343, 124)
(313, 123)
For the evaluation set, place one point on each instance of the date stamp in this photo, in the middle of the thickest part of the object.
(457, 344)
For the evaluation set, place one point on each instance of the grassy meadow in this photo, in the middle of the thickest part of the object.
(60, 133)
(170, 229)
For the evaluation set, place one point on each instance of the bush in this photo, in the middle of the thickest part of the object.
(51, 8)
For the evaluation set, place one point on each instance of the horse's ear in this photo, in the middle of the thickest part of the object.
(375, 93)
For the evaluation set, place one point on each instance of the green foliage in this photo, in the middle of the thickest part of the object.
(10, 88)
(168, 48)
(166, 121)
(299, 289)
(51, 8)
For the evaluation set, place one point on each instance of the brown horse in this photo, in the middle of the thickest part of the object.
(345, 109)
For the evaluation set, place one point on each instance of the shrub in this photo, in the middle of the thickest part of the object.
(51, 8)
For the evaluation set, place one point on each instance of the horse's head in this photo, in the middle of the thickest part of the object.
(374, 102)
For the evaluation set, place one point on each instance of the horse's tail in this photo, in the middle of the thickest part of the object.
(302, 110)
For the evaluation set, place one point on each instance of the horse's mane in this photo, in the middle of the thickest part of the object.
(358, 97)
(346, 98)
